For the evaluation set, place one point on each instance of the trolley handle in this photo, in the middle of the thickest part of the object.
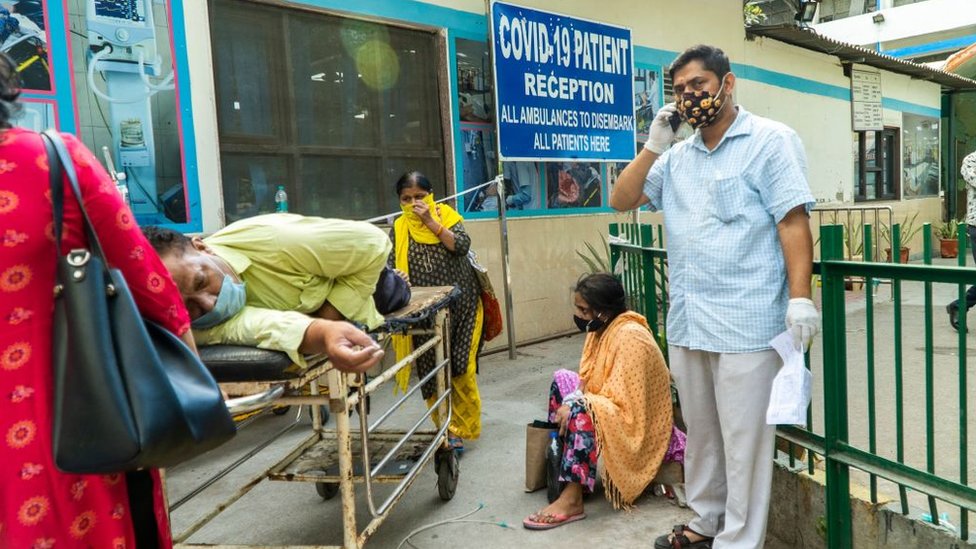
(250, 403)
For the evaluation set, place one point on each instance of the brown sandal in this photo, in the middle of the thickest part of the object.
(678, 540)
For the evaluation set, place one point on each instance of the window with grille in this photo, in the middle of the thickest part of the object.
(334, 109)
(876, 165)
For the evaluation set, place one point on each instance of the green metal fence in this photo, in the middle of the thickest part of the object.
(639, 260)
(880, 456)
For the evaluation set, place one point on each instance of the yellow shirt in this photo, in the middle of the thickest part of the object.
(291, 265)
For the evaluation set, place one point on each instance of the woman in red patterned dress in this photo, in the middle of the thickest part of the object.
(41, 507)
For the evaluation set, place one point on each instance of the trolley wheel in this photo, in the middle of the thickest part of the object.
(280, 410)
(447, 474)
(324, 414)
(327, 490)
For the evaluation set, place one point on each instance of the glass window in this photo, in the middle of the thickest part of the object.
(875, 165)
(249, 183)
(321, 178)
(921, 152)
(246, 75)
(345, 106)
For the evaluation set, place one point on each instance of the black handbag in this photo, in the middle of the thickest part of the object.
(128, 394)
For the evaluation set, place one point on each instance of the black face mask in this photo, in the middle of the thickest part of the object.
(588, 325)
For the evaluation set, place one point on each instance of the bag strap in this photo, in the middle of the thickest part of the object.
(62, 167)
(57, 191)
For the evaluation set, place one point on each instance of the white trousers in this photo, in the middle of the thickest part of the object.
(729, 455)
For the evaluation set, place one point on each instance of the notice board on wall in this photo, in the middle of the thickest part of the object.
(866, 111)
(565, 86)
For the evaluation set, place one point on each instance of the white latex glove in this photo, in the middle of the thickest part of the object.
(803, 321)
(660, 134)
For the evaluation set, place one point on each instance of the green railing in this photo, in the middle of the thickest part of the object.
(641, 264)
(881, 449)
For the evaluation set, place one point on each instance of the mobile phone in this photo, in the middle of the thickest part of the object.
(675, 120)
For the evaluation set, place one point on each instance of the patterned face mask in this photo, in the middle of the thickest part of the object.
(700, 108)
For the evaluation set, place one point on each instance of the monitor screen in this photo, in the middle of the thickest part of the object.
(127, 10)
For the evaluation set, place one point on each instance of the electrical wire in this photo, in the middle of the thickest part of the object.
(459, 519)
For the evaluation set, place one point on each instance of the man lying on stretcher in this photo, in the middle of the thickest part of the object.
(286, 282)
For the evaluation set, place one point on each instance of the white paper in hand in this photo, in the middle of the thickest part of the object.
(790, 396)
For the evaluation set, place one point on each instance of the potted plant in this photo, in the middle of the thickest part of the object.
(853, 241)
(948, 243)
(908, 231)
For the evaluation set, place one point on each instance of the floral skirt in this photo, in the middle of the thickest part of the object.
(580, 452)
(579, 441)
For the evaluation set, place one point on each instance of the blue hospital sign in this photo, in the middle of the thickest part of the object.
(565, 86)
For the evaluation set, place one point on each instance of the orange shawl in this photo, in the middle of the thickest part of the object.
(627, 389)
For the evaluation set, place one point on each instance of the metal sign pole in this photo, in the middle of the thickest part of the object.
(506, 270)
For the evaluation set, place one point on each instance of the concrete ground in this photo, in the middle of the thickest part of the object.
(492, 473)
(515, 392)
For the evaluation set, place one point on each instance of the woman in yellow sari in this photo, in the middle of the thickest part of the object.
(431, 246)
(617, 408)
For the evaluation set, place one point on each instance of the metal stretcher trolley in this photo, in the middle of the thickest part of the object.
(337, 459)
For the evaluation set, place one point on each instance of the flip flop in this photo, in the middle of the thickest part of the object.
(534, 522)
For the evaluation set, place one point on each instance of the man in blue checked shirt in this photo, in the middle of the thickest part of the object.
(736, 203)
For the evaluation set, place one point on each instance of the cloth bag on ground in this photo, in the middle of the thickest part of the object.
(128, 394)
(536, 442)
(790, 394)
(489, 302)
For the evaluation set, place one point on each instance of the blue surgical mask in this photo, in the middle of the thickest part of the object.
(230, 301)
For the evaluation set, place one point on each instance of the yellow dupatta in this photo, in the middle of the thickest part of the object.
(410, 226)
(627, 390)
